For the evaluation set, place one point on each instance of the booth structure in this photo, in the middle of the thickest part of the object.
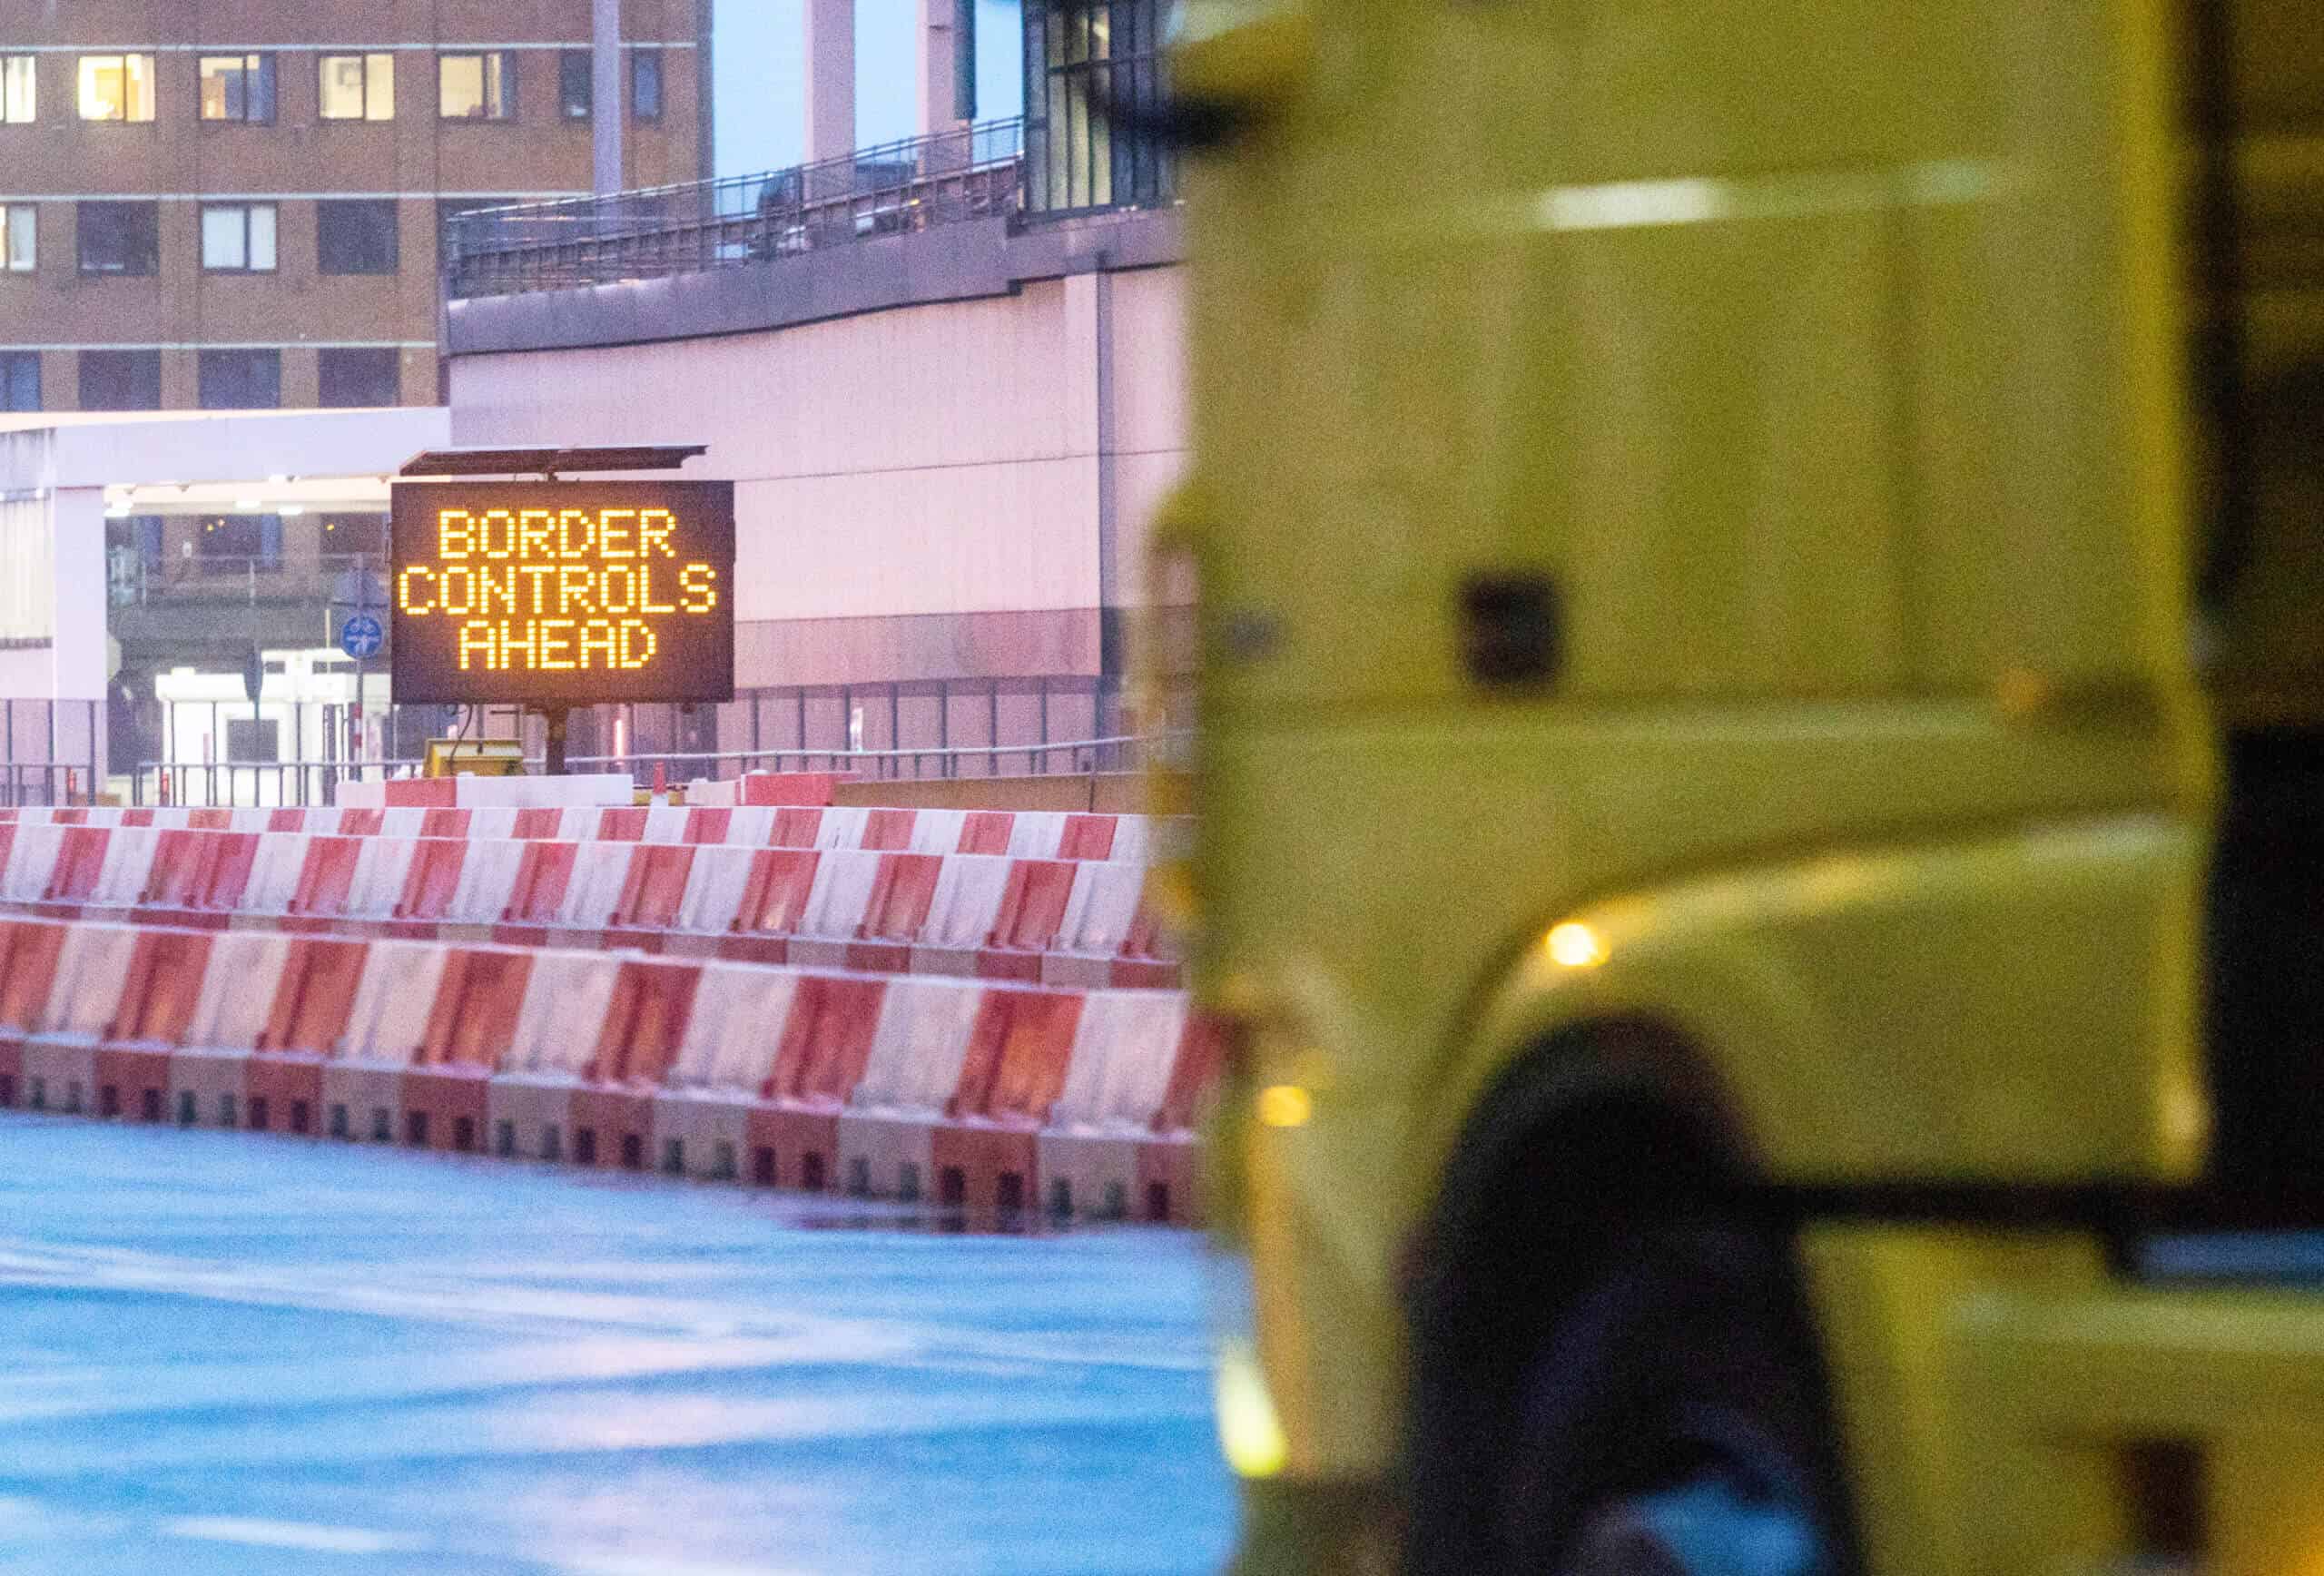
(145, 556)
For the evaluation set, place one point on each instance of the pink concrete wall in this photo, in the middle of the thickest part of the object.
(906, 480)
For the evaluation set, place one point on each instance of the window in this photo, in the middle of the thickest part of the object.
(120, 380)
(236, 544)
(477, 87)
(645, 84)
(238, 87)
(19, 380)
(577, 86)
(354, 533)
(242, 379)
(19, 89)
(116, 87)
(254, 739)
(357, 235)
(352, 377)
(237, 237)
(19, 237)
(359, 87)
(123, 238)
(1082, 55)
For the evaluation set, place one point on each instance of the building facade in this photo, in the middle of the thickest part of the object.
(236, 203)
(945, 377)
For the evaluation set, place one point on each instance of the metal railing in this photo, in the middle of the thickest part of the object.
(50, 751)
(973, 173)
(1126, 752)
(264, 783)
(256, 785)
(136, 581)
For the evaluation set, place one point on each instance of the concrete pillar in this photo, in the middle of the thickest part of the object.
(609, 105)
(946, 73)
(79, 513)
(830, 79)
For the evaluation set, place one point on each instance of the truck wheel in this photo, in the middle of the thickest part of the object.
(1673, 1421)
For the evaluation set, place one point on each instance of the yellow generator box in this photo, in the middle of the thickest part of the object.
(480, 757)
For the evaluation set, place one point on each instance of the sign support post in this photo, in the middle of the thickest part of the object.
(555, 765)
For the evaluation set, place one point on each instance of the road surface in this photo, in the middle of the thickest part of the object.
(225, 1352)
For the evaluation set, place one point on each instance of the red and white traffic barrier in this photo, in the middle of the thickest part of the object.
(1070, 922)
(1020, 835)
(983, 1094)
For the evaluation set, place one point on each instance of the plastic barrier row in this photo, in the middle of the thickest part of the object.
(1043, 921)
(1022, 834)
(985, 1096)
(586, 788)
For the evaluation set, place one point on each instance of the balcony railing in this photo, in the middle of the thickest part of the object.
(974, 172)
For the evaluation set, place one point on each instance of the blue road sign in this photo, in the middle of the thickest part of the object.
(361, 636)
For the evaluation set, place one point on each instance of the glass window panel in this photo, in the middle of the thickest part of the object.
(355, 87)
(20, 222)
(356, 235)
(103, 96)
(221, 88)
(140, 73)
(116, 87)
(461, 86)
(500, 85)
(122, 238)
(19, 89)
(258, 87)
(262, 238)
(1060, 159)
(577, 84)
(342, 87)
(225, 238)
(20, 380)
(645, 84)
(379, 87)
(351, 379)
(242, 380)
(120, 380)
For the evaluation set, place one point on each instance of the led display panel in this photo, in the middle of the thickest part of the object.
(548, 594)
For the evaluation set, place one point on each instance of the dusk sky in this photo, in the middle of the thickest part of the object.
(760, 76)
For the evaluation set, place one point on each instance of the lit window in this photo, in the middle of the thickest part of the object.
(477, 87)
(359, 87)
(645, 84)
(116, 87)
(20, 236)
(238, 87)
(19, 89)
(237, 237)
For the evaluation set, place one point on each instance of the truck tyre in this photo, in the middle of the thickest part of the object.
(1673, 1421)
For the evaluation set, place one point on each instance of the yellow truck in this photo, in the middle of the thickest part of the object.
(1761, 774)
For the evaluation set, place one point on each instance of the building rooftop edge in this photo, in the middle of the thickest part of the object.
(961, 261)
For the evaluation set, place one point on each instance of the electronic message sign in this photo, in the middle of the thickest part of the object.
(556, 594)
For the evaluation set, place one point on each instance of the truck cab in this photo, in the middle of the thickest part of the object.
(1760, 777)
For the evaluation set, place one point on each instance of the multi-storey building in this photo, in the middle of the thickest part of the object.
(235, 203)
